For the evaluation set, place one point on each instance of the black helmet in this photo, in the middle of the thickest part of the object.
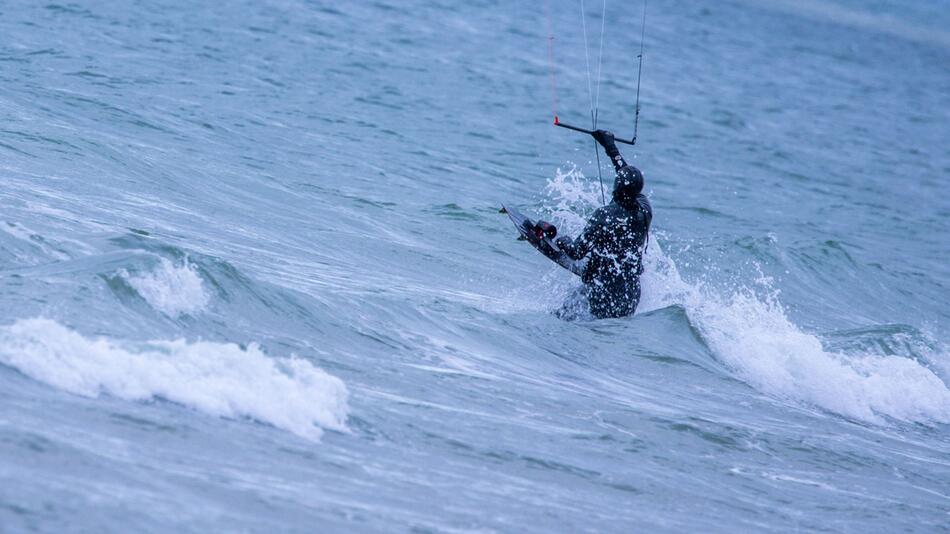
(628, 185)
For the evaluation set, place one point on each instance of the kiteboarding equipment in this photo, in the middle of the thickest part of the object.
(545, 229)
(595, 96)
(541, 235)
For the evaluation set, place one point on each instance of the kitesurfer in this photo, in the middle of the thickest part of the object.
(615, 239)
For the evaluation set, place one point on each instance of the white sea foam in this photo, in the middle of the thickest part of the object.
(173, 289)
(754, 336)
(220, 379)
(751, 333)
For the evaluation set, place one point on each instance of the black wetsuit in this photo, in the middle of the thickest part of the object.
(615, 237)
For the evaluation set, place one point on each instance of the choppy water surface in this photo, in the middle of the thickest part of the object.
(254, 276)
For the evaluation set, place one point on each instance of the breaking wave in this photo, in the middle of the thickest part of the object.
(220, 379)
(748, 330)
(173, 289)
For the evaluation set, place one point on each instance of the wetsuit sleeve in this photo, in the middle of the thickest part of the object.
(578, 248)
(614, 154)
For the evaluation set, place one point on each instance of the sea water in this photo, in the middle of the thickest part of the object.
(254, 277)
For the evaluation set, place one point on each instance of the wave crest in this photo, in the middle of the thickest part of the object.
(220, 379)
(173, 289)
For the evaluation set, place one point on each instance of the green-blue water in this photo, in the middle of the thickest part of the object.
(254, 277)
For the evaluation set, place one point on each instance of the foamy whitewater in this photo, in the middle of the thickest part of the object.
(171, 289)
(217, 379)
(255, 278)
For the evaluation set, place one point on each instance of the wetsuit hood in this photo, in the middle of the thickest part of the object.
(627, 186)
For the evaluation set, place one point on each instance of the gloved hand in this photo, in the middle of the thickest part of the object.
(604, 137)
(545, 229)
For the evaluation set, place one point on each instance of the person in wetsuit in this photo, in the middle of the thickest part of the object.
(615, 238)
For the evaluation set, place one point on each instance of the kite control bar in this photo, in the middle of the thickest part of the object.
(557, 122)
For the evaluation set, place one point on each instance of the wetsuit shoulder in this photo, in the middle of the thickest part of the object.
(599, 221)
(602, 214)
(589, 237)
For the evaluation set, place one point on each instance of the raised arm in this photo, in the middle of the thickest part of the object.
(606, 140)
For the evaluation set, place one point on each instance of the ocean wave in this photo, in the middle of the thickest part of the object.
(753, 335)
(172, 288)
(748, 330)
(220, 379)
